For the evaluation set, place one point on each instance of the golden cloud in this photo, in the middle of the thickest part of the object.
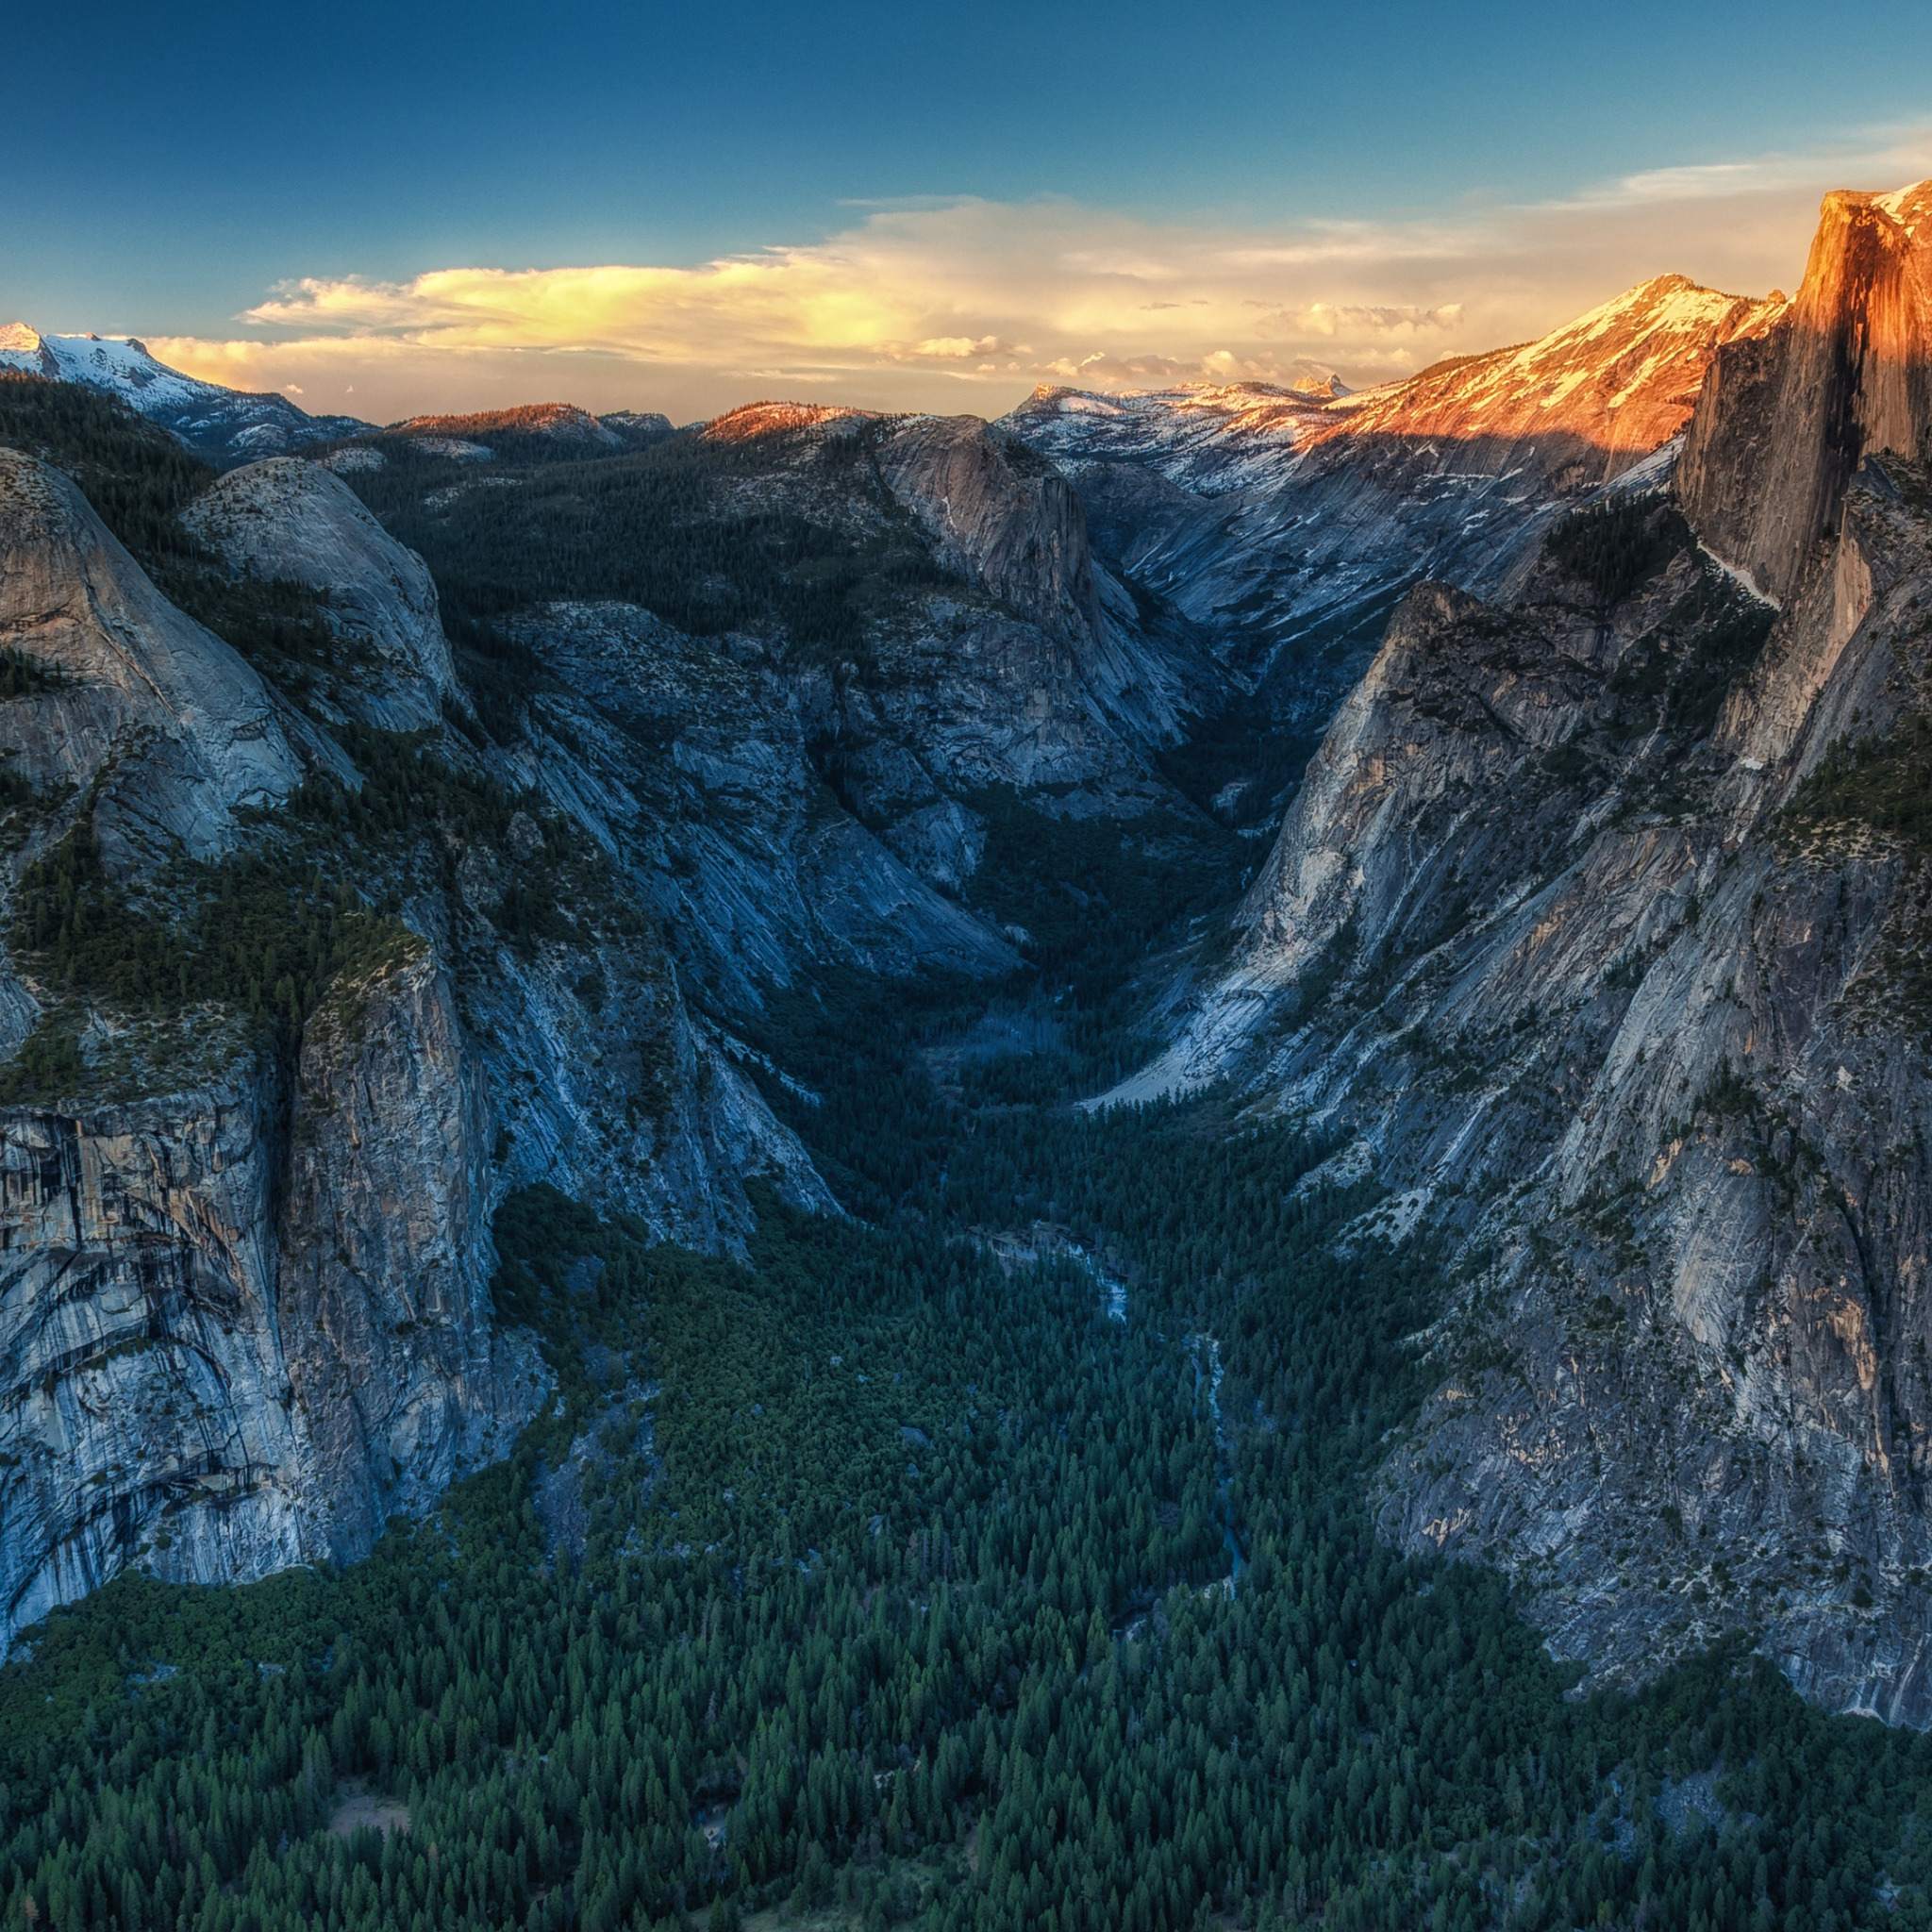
(967, 305)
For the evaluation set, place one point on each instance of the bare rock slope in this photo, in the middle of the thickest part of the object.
(1598, 927)
(1287, 522)
(286, 519)
(130, 694)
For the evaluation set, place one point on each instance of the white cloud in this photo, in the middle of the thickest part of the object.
(959, 348)
(967, 303)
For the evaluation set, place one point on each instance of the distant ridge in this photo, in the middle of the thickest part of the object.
(227, 425)
(1288, 521)
(535, 430)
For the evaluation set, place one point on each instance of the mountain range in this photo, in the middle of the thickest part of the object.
(400, 818)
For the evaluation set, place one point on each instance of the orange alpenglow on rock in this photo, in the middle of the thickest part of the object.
(1786, 418)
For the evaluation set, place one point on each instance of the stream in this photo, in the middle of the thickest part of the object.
(1236, 1561)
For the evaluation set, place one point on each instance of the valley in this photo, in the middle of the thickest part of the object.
(1160, 1164)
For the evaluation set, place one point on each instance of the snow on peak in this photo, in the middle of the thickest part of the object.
(1908, 206)
(1591, 397)
(120, 364)
(226, 424)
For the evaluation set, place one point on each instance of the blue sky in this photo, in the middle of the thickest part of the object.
(228, 178)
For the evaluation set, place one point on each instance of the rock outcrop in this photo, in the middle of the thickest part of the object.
(1014, 526)
(691, 762)
(1787, 415)
(128, 695)
(284, 518)
(1000, 518)
(1593, 931)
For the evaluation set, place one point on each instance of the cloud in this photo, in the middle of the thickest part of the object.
(960, 348)
(1355, 319)
(967, 303)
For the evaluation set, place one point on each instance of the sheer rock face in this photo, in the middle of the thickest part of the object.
(287, 518)
(1288, 524)
(1782, 424)
(210, 1390)
(1652, 1059)
(1020, 532)
(384, 1292)
(188, 1392)
(178, 729)
(245, 1317)
(146, 1409)
(1096, 690)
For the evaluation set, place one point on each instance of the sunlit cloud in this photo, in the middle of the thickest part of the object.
(1888, 155)
(962, 348)
(967, 303)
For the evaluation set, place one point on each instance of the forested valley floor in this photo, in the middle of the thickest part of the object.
(997, 1556)
(994, 1557)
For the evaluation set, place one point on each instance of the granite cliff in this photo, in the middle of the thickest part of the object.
(1787, 416)
(1597, 929)
(576, 748)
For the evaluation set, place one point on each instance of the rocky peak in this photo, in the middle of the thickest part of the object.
(639, 426)
(1011, 524)
(288, 518)
(1000, 517)
(177, 729)
(1618, 381)
(1604, 389)
(1785, 419)
(224, 425)
(115, 362)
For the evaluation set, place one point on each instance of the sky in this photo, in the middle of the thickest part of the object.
(392, 208)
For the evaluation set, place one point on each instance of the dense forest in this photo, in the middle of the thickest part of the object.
(999, 1554)
(896, 1574)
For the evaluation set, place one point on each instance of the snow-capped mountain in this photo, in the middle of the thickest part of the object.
(1288, 522)
(224, 425)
